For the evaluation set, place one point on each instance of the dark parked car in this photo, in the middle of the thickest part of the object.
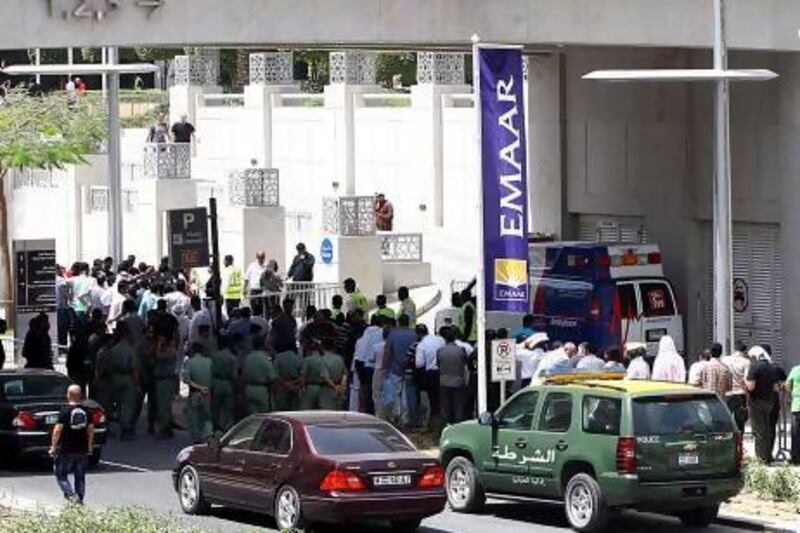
(313, 467)
(30, 401)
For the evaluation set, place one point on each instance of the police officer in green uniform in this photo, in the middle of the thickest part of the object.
(198, 374)
(288, 365)
(163, 388)
(124, 376)
(311, 369)
(258, 375)
(333, 392)
(225, 367)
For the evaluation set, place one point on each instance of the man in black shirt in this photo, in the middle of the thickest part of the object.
(761, 380)
(182, 131)
(73, 437)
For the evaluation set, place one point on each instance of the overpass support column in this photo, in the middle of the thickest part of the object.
(271, 74)
(547, 192)
(438, 75)
(351, 73)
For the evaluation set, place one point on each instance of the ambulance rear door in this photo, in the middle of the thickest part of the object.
(659, 314)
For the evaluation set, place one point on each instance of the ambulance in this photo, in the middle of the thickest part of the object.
(606, 294)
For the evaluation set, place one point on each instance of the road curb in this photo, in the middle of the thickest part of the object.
(756, 524)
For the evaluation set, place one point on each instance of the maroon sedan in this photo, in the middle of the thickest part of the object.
(313, 467)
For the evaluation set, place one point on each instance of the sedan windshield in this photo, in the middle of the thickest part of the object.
(51, 386)
(346, 439)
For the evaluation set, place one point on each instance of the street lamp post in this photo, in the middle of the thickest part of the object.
(723, 253)
(111, 71)
(721, 76)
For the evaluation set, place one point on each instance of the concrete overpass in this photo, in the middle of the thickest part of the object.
(759, 24)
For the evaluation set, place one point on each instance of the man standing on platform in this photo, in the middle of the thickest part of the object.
(384, 213)
(252, 276)
(183, 130)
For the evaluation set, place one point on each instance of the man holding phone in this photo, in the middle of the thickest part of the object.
(73, 437)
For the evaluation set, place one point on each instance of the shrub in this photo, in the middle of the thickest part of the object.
(779, 484)
(78, 519)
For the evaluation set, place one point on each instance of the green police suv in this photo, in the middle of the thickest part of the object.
(599, 443)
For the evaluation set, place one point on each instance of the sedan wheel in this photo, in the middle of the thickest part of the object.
(189, 493)
(288, 514)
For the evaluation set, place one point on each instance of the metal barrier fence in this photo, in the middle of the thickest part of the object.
(320, 295)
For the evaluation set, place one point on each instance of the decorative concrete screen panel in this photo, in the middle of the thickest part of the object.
(349, 215)
(401, 247)
(34, 178)
(275, 68)
(254, 187)
(201, 68)
(356, 68)
(167, 160)
(441, 68)
(98, 200)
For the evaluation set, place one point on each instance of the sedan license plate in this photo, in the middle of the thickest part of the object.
(51, 420)
(392, 481)
(688, 459)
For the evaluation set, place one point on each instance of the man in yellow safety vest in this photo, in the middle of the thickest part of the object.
(355, 298)
(232, 285)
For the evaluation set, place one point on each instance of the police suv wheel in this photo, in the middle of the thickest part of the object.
(464, 490)
(584, 504)
(288, 514)
(189, 492)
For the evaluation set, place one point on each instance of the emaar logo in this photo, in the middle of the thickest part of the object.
(511, 280)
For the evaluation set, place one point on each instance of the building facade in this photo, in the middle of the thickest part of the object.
(616, 162)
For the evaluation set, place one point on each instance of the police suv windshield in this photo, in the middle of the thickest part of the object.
(680, 414)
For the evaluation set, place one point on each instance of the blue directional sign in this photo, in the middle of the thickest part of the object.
(326, 251)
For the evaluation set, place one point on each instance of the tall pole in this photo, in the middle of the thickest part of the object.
(723, 276)
(215, 273)
(480, 320)
(114, 172)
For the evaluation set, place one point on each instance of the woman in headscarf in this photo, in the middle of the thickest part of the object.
(38, 348)
(669, 365)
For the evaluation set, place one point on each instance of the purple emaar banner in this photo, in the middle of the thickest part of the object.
(504, 171)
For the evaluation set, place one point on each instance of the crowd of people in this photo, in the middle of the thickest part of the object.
(135, 332)
(135, 335)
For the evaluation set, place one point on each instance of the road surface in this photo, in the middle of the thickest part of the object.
(138, 473)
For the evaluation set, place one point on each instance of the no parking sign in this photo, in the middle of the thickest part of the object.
(504, 361)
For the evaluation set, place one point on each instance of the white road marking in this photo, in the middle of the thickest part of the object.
(129, 467)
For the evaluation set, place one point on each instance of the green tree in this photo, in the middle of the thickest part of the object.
(389, 65)
(41, 132)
